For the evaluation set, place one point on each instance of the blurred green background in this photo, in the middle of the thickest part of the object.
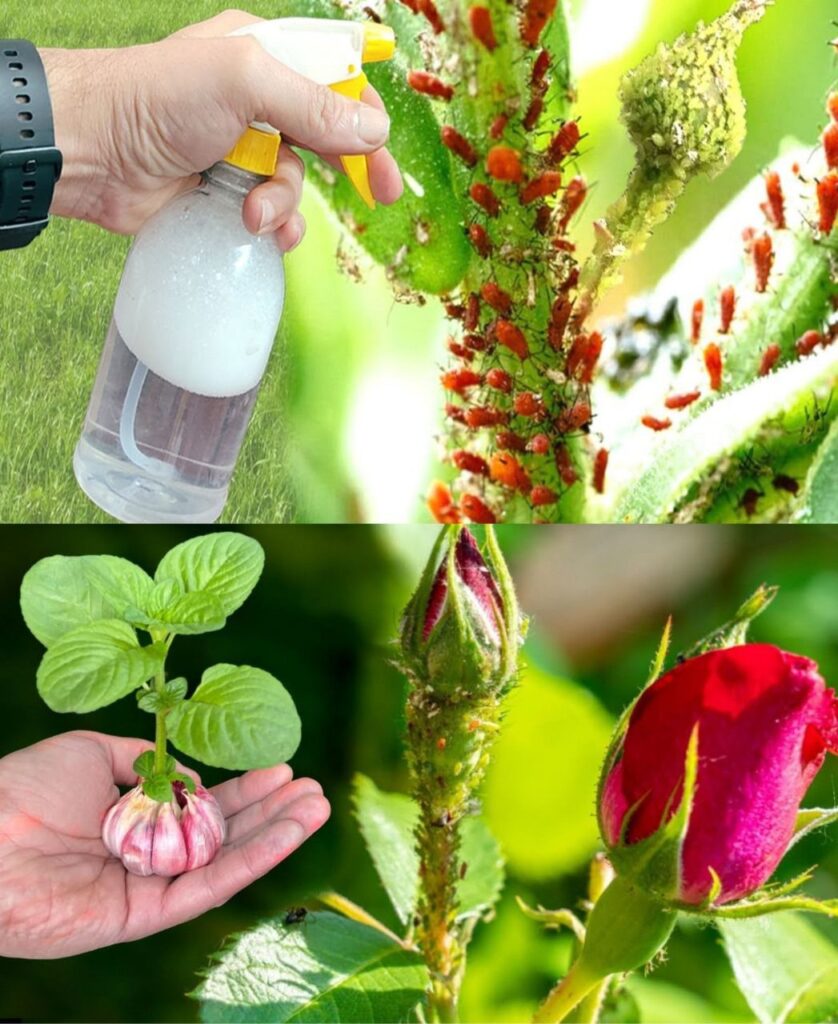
(322, 619)
(344, 427)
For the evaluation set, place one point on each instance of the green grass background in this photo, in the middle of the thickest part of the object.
(343, 427)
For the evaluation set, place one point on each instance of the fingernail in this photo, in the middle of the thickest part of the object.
(267, 216)
(373, 125)
(294, 240)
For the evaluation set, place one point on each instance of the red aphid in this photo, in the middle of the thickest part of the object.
(497, 298)
(770, 358)
(830, 146)
(485, 416)
(563, 142)
(476, 510)
(480, 19)
(454, 310)
(468, 462)
(808, 342)
(828, 201)
(697, 320)
(485, 197)
(411, 5)
(500, 380)
(529, 405)
(600, 467)
(774, 206)
(498, 126)
(565, 468)
(460, 381)
(786, 483)
(458, 145)
(540, 67)
(508, 440)
(541, 495)
(583, 356)
(762, 253)
(564, 245)
(476, 342)
(441, 504)
(542, 219)
(577, 417)
(832, 106)
(533, 113)
(456, 413)
(472, 315)
(653, 423)
(429, 85)
(534, 19)
(546, 184)
(749, 501)
(512, 337)
(559, 317)
(505, 469)
(714, 364)
(479, 238)
(727, 308)
(539, 445)
(504, 164)
(682, 401)
(428, 9)
(459, 351)
(575, 194)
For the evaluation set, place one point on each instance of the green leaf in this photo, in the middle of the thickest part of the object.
(173, 692)
(121, 584)
(56, 596)
(158, 787)
(226, 566)
(144, 764)
(94, 665)
(387, 822)
(809, 819)
(785, 968)
(325, 968)
(819, 498)
(238, 717)
(189, 614)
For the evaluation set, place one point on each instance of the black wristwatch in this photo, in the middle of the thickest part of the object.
(30, 165)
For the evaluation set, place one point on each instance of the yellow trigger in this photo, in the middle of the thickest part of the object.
(356, 166)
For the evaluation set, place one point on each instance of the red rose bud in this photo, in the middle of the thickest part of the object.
(153, 837)
(760, 721)
(460, 632)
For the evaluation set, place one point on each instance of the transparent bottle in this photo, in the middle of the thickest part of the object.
(194, 322)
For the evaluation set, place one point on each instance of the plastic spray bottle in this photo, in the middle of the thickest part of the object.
(198, 309)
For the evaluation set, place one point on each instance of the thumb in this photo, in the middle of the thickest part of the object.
(312, 115)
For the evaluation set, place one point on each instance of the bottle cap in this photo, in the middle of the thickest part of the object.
(379, 43)
(256, 151)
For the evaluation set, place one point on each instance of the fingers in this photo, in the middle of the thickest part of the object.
(123, 752)
(385, 177)
(236, 794)
(274, 203)
(280, 803)
(221, 25)
(236, 867)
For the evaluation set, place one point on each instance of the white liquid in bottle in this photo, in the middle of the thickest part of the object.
(194, 322)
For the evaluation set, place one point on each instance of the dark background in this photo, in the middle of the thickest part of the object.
(321, 619)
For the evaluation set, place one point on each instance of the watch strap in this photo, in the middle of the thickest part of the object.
(30, 165)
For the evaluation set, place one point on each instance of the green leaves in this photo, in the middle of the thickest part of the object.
(325, 968)
(820, 496)
(785, 968)
(226, 566)
(239, 717)
(94, 665)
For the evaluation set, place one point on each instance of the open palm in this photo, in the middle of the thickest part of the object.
(62, 893)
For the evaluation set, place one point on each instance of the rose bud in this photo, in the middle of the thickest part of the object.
(461, 630)
(153, 837)
(748, 728)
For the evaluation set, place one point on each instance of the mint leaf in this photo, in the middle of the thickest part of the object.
(121, 584)
(238, 717)
(188, 614)
(94, 665)
(56, 596)
(173, 692)
(226, 566)
(325, 968)
(158, 787)
(144, 764)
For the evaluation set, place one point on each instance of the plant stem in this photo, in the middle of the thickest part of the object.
(591, 1006)
(569, 992)
(160, 728)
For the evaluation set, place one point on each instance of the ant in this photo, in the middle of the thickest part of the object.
(296, 915)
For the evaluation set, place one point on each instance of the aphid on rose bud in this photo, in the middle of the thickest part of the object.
(499, 380)
(714, 364)
(505, 469)
(749, 501)
(682, 401)
(486, 416)
(441, 743)
(533, 113)
(441, 505)
(577, 417)
(697, 321)
(600, 468)
(727, 308)
(509, 441)
(479, 238)
(770, 358)
(828, 202)
(476, 342)
(512, 337)
(808, 342)
(485, 197)
(540, 67)
(295, 916)
(480, 19)
(534, 19)
(542, 219)
(583, 356)
(564, 245)
(546, 184)
(529, 405)
(497, 298)
(559, 317)
(428, 9)
(575, 195)
(563, 142)
(653, 423)
(539, 445)
(468, 462)
(762, 252)
(458, 145)
(454, 310)
(429, 85)
(460, 381)
(457, 350)
(541, 495)
(565, 467)
(786, 483)
(503, 163)
(774, 207)
(830, 146)
(456, 413)
(476, 510)
(471, 319)
(498, 126)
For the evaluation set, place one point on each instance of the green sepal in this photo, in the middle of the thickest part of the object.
(809, 819)
(159, 787)
(556, 919)
(773, 905)
(735, 632)
(187, 780)
(413, 618)
(156, 701)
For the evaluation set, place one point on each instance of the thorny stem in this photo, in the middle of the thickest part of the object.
(575, 986)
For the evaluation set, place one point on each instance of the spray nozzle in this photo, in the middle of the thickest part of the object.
(329, 53)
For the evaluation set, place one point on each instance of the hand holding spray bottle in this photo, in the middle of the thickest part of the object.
(198, 308)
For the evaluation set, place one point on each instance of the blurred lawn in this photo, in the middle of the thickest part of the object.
(343, 429)
(321, 619)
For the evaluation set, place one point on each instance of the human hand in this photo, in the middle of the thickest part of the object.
(136, 126)
(62, 893)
